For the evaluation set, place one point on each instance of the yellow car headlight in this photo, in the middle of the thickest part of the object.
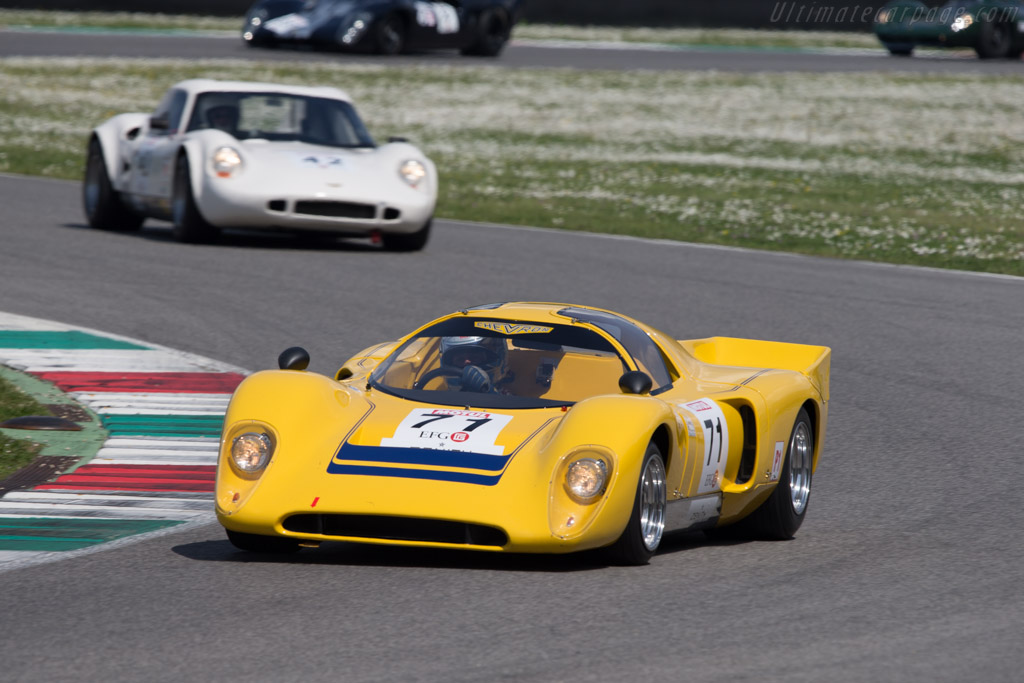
(251, 452)
(412, 172)
(585, 478)
(226, 160)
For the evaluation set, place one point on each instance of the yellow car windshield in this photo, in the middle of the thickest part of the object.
(499, 363)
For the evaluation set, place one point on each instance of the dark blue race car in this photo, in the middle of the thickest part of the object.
(475, 27)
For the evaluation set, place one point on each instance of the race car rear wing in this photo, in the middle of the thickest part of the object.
(812, 361)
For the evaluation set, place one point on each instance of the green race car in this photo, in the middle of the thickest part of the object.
(994, 28)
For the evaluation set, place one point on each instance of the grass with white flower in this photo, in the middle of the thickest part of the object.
(922, 169)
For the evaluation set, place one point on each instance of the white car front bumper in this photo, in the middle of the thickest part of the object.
(356, 207)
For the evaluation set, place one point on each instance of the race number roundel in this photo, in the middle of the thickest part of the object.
(710, 420)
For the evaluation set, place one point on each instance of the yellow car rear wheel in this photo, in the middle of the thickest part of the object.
(781, 515)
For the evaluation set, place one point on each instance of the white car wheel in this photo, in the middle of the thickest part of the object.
(189, 224)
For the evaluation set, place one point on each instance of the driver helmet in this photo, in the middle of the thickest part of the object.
(490, 354)
(223, 117)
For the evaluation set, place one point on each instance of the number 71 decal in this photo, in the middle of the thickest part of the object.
(450, 430)
(716, 443)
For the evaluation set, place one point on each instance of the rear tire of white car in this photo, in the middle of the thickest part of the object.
(646, 525)
(781, 515)
(494, 34)
(189, 224)
(255, 543)
(104, 208)
(413, 241)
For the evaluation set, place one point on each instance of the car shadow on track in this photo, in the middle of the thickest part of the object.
(252, 239)
(367, 555)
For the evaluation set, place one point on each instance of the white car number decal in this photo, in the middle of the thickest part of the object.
(437, 15)
(324, 161)
(446, 429)
(711, 420)
(286, 25)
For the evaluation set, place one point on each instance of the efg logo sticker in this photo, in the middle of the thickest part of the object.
(512, 328)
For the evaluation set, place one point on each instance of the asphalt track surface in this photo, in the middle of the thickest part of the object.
(37, 44)
(908, 567)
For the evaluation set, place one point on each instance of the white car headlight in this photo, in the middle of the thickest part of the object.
(251, 452)
(226, 161)
(413, 172)
(962, 22)
(585, 478)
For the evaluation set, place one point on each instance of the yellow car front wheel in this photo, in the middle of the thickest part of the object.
(646, 525)
(255, 543)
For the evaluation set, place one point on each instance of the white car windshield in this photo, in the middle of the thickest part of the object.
(280, 117)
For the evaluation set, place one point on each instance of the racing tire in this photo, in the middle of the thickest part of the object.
(189, 225)
(104, 208)
(900, 49)
(495, 32)
(994, 40)
(255, 543)
(781, 515)
(413, 241)
(646, 526)
(390, 35)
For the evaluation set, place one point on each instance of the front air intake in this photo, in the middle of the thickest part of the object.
(336, 209)
(397, 529)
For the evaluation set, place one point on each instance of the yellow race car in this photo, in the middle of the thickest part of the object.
(526, 427)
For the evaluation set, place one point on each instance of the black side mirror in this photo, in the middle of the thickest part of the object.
(397, 138)
(294, 358)
(635, 382)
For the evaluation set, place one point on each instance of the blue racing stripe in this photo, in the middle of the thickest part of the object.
(436, 475)
(421, 456)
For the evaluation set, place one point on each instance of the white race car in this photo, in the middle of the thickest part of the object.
(222, 154)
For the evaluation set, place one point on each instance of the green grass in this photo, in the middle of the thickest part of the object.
(884, 167)
(16, 453)
(17, 18)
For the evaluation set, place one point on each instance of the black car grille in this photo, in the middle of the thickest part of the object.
(336, 209)
(397, 529)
